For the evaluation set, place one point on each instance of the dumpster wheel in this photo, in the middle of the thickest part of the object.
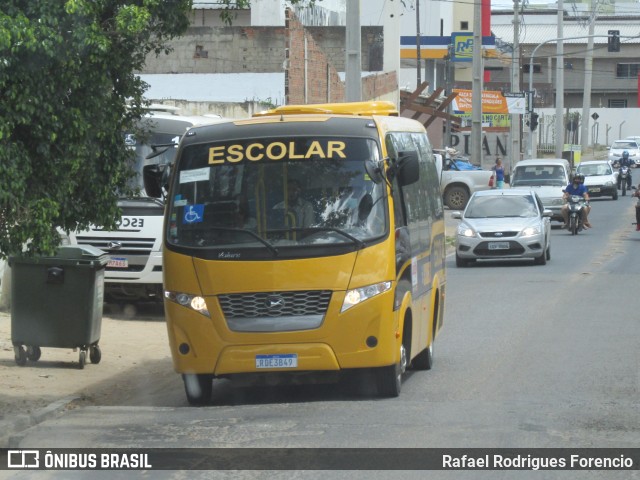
(95, 355)
(34, 353)
(20, 355)
(82, 360)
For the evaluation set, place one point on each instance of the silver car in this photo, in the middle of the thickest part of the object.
(548, 177)
(503, 224)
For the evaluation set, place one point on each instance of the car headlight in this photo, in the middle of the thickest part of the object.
(359, 295)
(557, 201)
(530, 231)
(632, 154)
(466, 231)
(194, 302)
(609, 184)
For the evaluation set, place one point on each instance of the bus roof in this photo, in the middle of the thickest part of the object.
(363, 109)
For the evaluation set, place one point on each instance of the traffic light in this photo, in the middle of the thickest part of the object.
(613, 42)
(533, 121)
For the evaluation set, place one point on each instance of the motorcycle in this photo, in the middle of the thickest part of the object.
(576, 205)
(624, 179)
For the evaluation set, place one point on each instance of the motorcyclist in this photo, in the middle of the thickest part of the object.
(576, 187)
(625, 161)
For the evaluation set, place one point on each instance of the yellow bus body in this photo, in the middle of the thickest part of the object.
(367, 335)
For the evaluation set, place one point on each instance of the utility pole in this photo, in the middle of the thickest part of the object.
(531, 57)
(353, 75)
(588, 75)
(560, 84)
(418, 43)
(476, 92)
(448, 86)
(515, 87)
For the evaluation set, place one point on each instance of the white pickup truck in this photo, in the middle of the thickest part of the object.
(457, 185)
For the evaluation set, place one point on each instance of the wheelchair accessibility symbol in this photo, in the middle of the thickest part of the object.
(193, 214)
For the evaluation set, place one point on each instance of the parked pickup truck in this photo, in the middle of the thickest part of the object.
(457, 185)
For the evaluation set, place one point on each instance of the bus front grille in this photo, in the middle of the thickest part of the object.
(119, 245)
(275, 311)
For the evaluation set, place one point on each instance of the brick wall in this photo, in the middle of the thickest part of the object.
(311, 74)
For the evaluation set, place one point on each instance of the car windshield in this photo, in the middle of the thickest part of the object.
(276, 193)
(539, 175)
(500, 206)
(595, 170)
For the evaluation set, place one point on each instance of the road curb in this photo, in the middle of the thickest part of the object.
(10, 430)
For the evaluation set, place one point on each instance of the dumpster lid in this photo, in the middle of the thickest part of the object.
(79, 252)
(68, 255)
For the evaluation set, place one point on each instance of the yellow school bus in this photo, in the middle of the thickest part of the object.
(306, 241)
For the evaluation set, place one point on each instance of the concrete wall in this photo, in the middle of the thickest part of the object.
(235, 110)
(206, 49)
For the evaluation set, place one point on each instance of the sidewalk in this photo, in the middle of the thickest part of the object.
(132, 352)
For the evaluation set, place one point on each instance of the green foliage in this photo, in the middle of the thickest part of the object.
(67, 92)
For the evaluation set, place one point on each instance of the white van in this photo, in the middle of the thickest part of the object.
(548, 177)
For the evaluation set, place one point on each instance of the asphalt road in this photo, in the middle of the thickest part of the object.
(530, 356)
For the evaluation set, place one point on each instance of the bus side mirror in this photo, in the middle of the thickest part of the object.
(152, 176)
(408, 167)
(375, 170)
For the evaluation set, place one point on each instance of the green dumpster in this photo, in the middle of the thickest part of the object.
(57, 302)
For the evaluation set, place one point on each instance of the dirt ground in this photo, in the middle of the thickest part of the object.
(132, 350)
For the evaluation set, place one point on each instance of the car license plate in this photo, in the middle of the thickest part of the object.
(289, 360)
(117, 262)
(591, 189)
(498, 245)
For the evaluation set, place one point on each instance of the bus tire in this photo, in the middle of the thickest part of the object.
(389, 378)
(198, 388)
(424, 360)
(389, 381)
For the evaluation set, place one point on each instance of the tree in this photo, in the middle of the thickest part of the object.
(68, 91)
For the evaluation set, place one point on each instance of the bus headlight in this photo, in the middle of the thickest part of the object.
(358, 295)
(194, 302)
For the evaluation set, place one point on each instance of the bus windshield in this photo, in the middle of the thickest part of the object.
(276, 193)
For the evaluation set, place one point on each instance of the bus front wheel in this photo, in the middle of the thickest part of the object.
(424, 360)
(198, 388)
(390, 378)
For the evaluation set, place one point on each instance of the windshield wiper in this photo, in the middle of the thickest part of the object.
(359, 243)
(271, 248)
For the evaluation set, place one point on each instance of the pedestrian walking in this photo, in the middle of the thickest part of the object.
(499, 169)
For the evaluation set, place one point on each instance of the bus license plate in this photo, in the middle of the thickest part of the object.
(117, 262)
(289, 360)
(498, 245)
